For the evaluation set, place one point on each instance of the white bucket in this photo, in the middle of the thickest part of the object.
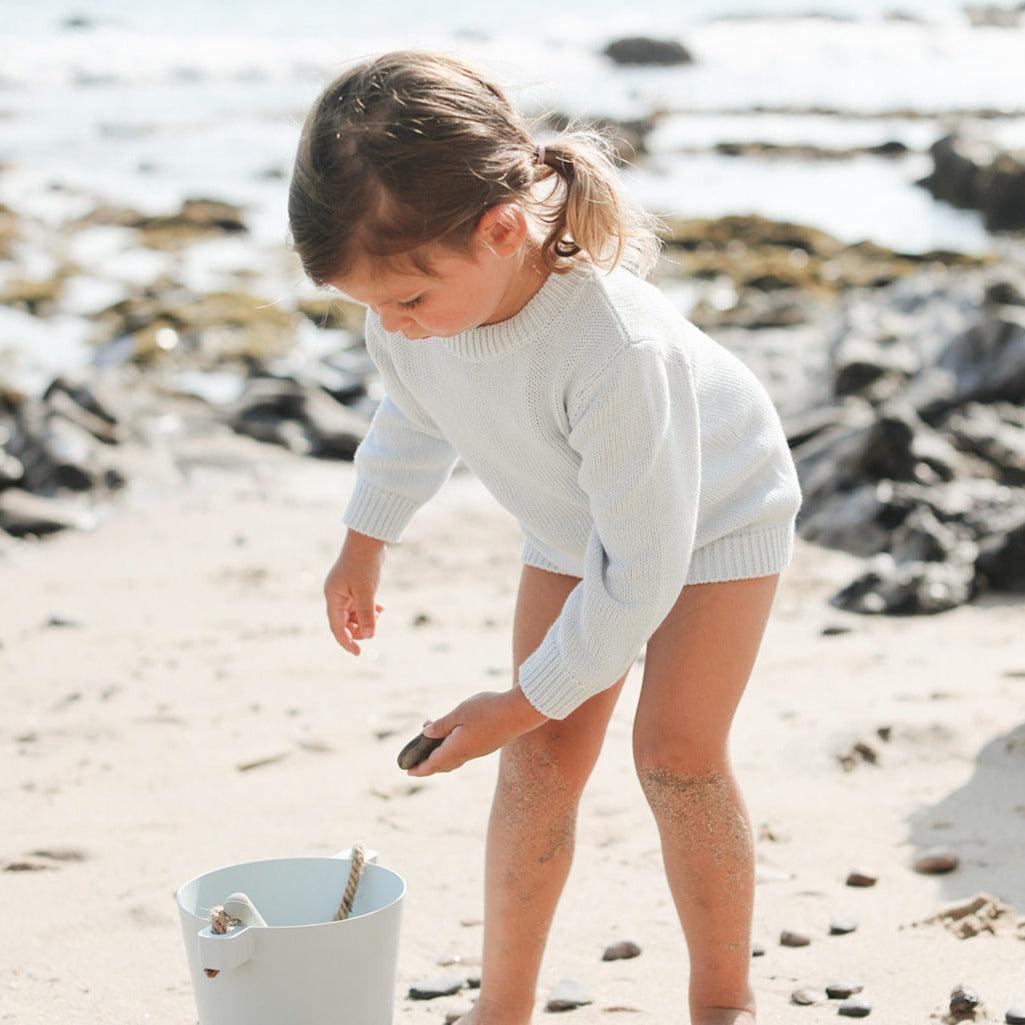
(301, 967)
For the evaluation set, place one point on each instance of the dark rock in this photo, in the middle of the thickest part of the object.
(857, 877)
(843, 926)
(855, 1007)
(316, 423)
(921, 537)
(418, 749)
(22, 513)
(991, 433)
(1015, 1015)
(908, 588)
(793, 939)
(937, 861)
(988, 358)
(1004, 287)
(902, 447)
(1001, 560)
(620, 950)
(567, 995)
(852, 521)
(963, 1001)
(440, 986)
(841, 990)
(54, 452)
(645, 50)
(859, 362)
(757, 950)
(973, 172)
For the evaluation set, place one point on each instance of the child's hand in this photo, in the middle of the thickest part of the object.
(349, 590)
(475, 727)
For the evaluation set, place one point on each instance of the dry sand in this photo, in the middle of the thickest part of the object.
(199, 643)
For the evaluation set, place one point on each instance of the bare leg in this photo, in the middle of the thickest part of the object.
(532, 825)
(696, 668)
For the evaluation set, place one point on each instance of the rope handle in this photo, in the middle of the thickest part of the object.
(358, 857)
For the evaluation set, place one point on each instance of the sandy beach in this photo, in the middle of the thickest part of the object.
(148, 660)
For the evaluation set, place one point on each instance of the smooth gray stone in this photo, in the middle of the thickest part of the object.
(807, 996)
(439, 986)
(855, 1007)
(841, 990)
(568, 994)
(417, 750)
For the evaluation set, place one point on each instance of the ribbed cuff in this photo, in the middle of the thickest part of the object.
(547, 684)
(377, 513)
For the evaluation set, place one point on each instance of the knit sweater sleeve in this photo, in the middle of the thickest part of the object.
(401, 463)
(636, 430)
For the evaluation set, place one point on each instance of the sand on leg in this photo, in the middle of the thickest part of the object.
(696, 667)
(531, 829)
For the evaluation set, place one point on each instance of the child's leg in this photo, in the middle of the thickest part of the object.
(696, 667)
(531, 829)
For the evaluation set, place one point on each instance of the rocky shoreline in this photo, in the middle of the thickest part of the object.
(904, 414)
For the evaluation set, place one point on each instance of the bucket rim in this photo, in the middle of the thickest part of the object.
(316, 857)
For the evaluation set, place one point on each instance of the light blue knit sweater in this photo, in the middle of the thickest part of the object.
(635, 451)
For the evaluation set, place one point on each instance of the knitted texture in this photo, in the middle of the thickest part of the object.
(634, 451)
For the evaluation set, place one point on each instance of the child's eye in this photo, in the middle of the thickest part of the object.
(411, 303)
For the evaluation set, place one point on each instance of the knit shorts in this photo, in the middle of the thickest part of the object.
(757, 552)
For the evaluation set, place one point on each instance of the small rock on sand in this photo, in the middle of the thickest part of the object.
(842, 926)
(567, 995)
(855, 1007)
(622, 949)
(793, 939)
(807, 996)
(858, 877)
(936, 861)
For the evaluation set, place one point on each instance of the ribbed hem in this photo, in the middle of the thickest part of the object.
(757, 553)
(532, 555)
(547, 305)
(377, 513)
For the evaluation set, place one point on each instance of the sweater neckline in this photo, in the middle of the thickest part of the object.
(539, 313)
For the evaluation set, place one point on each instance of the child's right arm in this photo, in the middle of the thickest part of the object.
(401, 463)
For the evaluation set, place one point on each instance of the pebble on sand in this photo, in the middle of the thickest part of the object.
(963, 1001)
(856, 877)
(439, 986)
(855, 1007)
(1015, 1015)
(808, 996)
(841, 990)
(567, 995)
(936, 861)
(842, 926)
(793, 939)
(622, 949)
(757, 950)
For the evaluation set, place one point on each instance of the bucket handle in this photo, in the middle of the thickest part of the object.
(222, 951)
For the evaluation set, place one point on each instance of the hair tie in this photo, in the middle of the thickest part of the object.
(540, 154)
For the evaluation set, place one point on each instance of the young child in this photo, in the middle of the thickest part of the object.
(510, 319)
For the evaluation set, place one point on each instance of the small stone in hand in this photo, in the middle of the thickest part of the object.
(417, 750)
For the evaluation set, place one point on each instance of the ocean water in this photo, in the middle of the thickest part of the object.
(144, 103)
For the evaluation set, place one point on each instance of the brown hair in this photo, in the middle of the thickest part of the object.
(406, 150)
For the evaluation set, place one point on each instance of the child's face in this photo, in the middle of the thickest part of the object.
(469, 290)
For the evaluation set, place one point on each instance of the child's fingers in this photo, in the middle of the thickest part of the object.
(338, 620)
